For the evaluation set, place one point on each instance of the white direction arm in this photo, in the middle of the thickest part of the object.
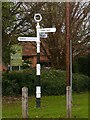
(27, 38)
(47, 30)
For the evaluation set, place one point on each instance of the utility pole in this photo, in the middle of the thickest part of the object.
(67, 43)
(68, 88)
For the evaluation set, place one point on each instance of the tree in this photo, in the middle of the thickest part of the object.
(79, 31)
(53, 14)
(7, 19)
(16, 20)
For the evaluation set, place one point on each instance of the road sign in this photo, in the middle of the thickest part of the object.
(27, 38)
(47, 30)
(40, 34)
(16, 55)
(43, 35)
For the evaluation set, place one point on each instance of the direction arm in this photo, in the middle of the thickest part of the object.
(47, 30)
(27, 38)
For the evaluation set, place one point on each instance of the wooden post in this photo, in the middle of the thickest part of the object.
(19, 67)
(68, 101)
(10, 68)
(25, 102)
(68, 43)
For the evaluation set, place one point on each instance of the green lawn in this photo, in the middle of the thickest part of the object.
(51, 107)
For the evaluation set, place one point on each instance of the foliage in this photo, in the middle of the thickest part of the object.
(26, 64)
(7, 38)
(14, 81)
(82, 65)
(53, 82)
(18, 21)
(80, 82)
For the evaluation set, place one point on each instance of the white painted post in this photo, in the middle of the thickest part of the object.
(10, 68)
(19, 67)
(71, 68)
(38, 87)
(68, 101)
(25, 102)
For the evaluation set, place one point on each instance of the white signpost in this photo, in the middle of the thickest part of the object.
(38, 18)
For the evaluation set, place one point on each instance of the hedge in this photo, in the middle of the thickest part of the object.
(82, 65)
(13, 82)
(53, 82)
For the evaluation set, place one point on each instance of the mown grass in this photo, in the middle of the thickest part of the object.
(51, 107)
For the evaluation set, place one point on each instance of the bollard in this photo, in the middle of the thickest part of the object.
(25, 102)
(68, 101)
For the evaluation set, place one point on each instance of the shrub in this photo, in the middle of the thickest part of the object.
(82, 65)
(14, 81)
(53, 82)
(80, 82)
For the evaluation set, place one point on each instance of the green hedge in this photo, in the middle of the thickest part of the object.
(81, 65)
(13, 82)
(53, 82)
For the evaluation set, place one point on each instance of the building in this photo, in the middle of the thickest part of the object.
(30, 53)
(3, 67)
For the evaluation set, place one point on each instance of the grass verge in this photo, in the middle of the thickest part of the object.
(51, 107)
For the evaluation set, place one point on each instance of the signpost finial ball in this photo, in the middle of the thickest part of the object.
(37, 17)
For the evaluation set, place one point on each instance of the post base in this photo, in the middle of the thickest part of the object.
(38, 103)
